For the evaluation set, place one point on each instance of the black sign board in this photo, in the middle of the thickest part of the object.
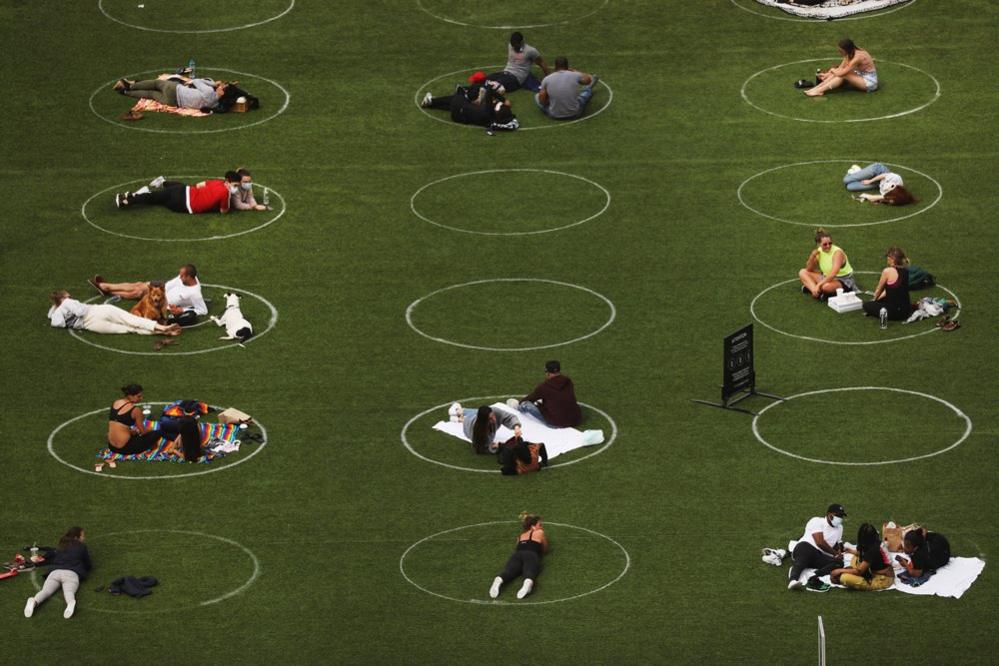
(739, 373)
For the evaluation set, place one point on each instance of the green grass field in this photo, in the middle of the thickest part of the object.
(627, 245)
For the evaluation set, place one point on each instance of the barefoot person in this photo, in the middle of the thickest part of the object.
(526, 559)
(67, 312)
(876, 176)
(183, 293)
(69, 566)
(827, 269)
(857, 68)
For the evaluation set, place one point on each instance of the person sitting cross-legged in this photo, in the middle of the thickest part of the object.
(560, 96)
(553, 401)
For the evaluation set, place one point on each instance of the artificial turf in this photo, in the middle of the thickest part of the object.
(329, 507)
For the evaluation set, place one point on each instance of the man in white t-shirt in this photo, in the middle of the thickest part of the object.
(819, 546)
(183, 294)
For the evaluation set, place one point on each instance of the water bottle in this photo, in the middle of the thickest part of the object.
(818, 70)
(883, 316)
(190, 67)
(267, 198)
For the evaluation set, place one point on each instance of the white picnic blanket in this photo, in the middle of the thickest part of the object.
(832, 9)
(952, 580)
(557, 440)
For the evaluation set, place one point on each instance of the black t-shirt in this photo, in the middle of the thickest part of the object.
(932, 555)
(877, 559)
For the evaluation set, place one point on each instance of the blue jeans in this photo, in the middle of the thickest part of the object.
(532, 409)
(852, 180)
(584, 98)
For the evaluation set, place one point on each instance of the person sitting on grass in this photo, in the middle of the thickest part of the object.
(208, 196)
(560, 97)
(127, 432)
(553, 401)
(927, 551)
(175, 90)
(819, 546)
(827, 269)
(69, 566)
(876, 176)
(892, 293)
(870, 566)
(480, 426)
(520, 57)
(67, 312)
(857, 68)
(183, 294)
(526, 559)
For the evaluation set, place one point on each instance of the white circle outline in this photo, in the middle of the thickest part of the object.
(493, 602)
(752, 311)
(249, 581)
(257, 449)
(419, 5)
(412, 306)
(818, 20)
(412, 202)
(967, 428)
(133, 126)
(409, 447)
(100, 6)
(742, 91)
(837, 226)
(83, 213)
(270, 324)
(560, 123)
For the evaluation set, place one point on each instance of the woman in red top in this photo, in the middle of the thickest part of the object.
(207, 196)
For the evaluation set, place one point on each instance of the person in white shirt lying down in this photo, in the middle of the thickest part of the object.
(67, 312)
(183, 294)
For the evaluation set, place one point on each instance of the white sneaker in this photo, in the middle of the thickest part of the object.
(455, 412)
(157, 182)
(794, 584)
(29, 607)
(853, 169)
(513, 403)
(495, 587)
(525, 589)
(428, 99)
(70, 607)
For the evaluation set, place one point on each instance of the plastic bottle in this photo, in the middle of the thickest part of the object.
(267, 197)
(190, 67)
(883, 316)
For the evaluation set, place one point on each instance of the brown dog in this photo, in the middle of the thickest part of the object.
(153, 304)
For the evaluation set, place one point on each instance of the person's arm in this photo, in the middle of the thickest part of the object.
(879, 292)
(543, 95)
(812, 263)
(820, 541)
(837, 264)
(224, 206)
(139, 419)
(844, 67)
(509, 420)
(543, 540)
(55, 316)
(85, 558)
(536, 394)
(198, 301)
(585, 79)
(875, 179)
(540, 62)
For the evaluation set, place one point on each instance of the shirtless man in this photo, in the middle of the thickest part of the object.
(857, 69)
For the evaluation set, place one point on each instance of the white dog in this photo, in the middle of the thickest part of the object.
(236, 326)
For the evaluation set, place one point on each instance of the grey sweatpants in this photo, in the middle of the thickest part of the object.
(64, 578)
(164, 92)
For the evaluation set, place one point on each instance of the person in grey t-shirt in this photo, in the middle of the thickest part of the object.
(560, 97)
(175, 90)
(520, 57)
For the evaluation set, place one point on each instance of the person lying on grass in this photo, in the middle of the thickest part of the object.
(175, 90)
(526, 558)
(208, 196)
(67, 312)
(827, 269)
(857, 68)
(876, 176)
(480, 426)
(483, 103)
(185, 301)
(69, 565)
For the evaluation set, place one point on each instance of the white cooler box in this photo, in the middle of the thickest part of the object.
(845, 302)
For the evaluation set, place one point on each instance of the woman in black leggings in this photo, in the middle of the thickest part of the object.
(526, 559)
(892, 294)
(127, 433)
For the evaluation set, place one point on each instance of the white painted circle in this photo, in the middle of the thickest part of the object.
(964, 436)
(836, 226)
(119, 186)
(745, 97)
(227, 344)
(446, 119)
(412, 202)
(419, 4)
(493, 602)
(412, 306)
(100, 6)
(231, 542)
(256, 449)
(752, 311)
(105, 88)
(811, 20)
(410, 422)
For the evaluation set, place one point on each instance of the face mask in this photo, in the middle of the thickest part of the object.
(837, 521)
(233, 189)
(246, 186)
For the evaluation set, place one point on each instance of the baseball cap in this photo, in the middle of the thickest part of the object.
(477, 77)
(836, 510)
(553, 367)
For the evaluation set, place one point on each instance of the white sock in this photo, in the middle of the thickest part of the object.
(526, 588)
(70, 607)
(142, 190)
(494, 589)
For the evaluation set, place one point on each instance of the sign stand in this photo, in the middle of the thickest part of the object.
(739, 374)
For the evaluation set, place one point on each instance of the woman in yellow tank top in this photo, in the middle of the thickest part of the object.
(827, 269)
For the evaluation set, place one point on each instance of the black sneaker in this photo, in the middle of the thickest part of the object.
(816, 585)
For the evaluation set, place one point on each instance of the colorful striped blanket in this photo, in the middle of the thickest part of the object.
(153, 105)
(228, 433)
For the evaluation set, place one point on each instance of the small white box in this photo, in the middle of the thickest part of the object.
(848, 302)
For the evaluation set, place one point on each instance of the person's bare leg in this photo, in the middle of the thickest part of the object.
(856, 81)
(126, 290)
(829, 83)
(808, 278)
(170, 329)
(829, 288)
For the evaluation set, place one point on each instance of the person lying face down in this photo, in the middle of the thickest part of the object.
(927, 551)
(480, 426)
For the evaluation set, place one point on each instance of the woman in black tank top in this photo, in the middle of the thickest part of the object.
(126, 433)
(892, 293)
(526, 559)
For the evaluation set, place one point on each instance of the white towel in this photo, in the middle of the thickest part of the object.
(557, 440)
(952, 580)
